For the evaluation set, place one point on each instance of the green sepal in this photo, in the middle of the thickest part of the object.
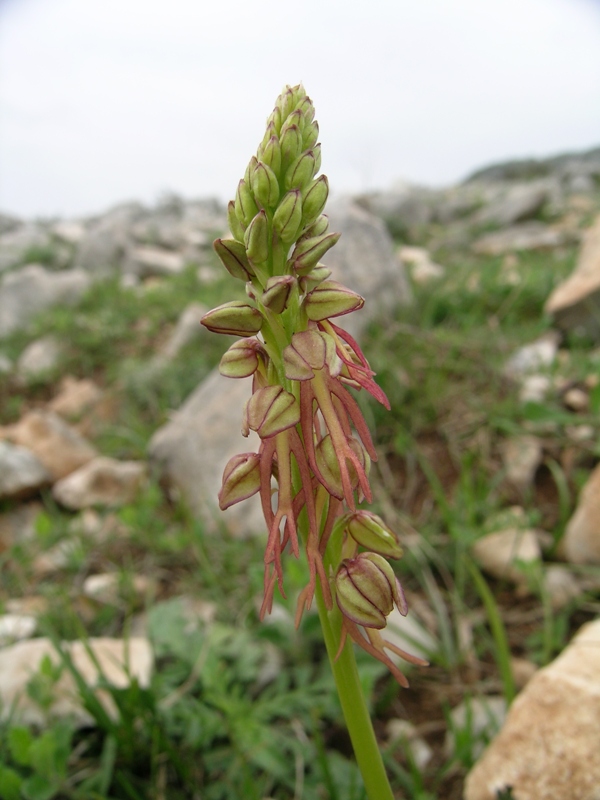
(301, 171)
(235, 318)
(235, 226)
(314, 198)
(264, 185)
(277, 292)
(291, 145)
(288, 217)
(309, 252)
(271, 154)
(245, 207)
(256, 238)
(331, 299)
(310, 135)
(233, 257)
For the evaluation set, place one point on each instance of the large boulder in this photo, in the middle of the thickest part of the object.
(191, 451)
(32, 289)
(98, 661)
(582, 536)
(365, 261)
(107, 239)
(575, 303)
(548, 746)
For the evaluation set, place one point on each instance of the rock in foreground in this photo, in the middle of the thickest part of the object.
(548, 747)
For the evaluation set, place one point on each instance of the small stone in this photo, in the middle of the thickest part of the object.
(39, 358)
(145, 262)
(400, 731)
(524, 236)
(561, 586)
(14, 627)
(69, 231)
(580, 433)
(57, 445)
(119, 661)
(534, 356)
(102, 481)
(582, 535)
(30, 605)
(479, 717)
(498, 553)
(107, 587)
(521, 456)
(21, 472)
(423, 269)
(576, 399)
(534, 388)
(56, 558)
(75, 397)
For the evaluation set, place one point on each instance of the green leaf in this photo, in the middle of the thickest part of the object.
(10, 784)
(19, 745)
(39, 788)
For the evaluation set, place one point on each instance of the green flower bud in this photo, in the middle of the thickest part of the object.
(299, 93)
(233, 257)
(236, 318)
(314, 198)
(242, 358)
(277, 292)
(264, 185)
(309, 252)
(269, 134)
(307, 108)
(271, 410)
(256, 238)
(286, 102)
(245, 207)
(310, 135)
(367, 590)
(275, 120)
(329, 465)
(316, 276)
(293, 119)
(291, 145)
(301, 171)
(235, 225)
(271, 155)
(241, 479)
(331, 299)
(318, 228)
(317, 151)
(306, 353)
(370, 531)
(250, 169)
(288, 217)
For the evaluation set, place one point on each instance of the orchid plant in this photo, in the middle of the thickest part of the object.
(312, 467)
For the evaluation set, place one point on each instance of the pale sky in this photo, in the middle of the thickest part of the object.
(103, 101)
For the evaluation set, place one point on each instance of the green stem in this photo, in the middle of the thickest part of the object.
(352, 699)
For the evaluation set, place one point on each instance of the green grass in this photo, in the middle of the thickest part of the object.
(239, 708)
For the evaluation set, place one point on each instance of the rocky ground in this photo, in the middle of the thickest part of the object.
(104, 399)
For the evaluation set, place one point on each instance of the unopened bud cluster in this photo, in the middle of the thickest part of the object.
(315, 445)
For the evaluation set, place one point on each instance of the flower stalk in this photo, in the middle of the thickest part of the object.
(312, 466)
